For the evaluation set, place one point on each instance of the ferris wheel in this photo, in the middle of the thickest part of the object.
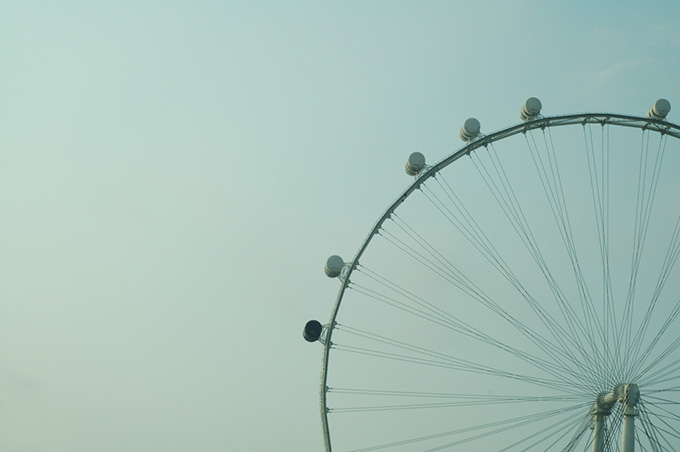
(522, 294)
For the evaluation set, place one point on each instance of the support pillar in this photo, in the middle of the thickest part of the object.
(630, 398)
(628, 435)
(598, 432)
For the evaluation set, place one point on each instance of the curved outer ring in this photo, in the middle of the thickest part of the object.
(660, 126)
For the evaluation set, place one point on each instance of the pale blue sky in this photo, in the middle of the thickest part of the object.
(173, 176)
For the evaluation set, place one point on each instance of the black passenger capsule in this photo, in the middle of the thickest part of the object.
(312, 331)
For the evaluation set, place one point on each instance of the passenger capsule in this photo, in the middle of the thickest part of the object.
(334, 266)
(659, 110)
(312, 331)
(415, 164)
(530, 109)
(470, 129)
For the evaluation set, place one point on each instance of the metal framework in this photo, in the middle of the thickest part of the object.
(626, 394)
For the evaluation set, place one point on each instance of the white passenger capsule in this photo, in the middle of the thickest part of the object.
(470, 129)
(334, 266)
(659, 110)
(530, 109)
(415, 164)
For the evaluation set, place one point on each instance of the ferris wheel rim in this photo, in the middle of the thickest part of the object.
(660, 126)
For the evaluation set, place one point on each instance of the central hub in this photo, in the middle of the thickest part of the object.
(627, 394)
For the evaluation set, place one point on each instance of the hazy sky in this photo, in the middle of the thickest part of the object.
(173, 176)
